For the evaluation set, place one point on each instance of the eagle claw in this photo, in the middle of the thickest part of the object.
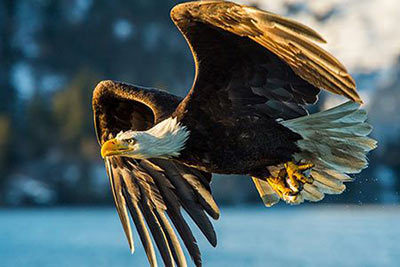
(290, 181)
(295, 175)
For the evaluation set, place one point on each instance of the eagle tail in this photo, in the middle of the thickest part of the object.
(267, 194)
(336, 141)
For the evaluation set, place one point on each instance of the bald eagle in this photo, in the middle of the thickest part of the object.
(245, 114)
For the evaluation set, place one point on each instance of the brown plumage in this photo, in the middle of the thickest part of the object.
(150, 188)
(255, 72)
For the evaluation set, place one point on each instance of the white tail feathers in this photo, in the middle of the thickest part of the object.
(335, 141)
(267, 194)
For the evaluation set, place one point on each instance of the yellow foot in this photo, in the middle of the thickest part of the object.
(278, 184)
(295, 177)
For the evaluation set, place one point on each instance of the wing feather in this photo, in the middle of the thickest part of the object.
(156, 230)
(172, 201)
(173, 241)
(189, 202)
(201, 191)
(154, 192)
(142, 230)
(120, 203)
(150, 190)
(291, 41)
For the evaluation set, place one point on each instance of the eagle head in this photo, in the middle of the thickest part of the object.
(165, 140)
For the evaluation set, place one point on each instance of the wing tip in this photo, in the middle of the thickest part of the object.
(355, 97)
(178, 10)
(322, 39)
(216, 214)
(211, 208)
(214, 242)
(103, 85)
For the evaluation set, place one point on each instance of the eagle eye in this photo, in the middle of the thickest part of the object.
(131, 141)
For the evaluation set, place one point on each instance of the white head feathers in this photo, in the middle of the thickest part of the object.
(166, 139)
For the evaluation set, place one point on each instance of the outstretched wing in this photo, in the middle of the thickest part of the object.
(152, 190)
(247, 57)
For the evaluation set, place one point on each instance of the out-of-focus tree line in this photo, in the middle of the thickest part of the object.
(53, 53)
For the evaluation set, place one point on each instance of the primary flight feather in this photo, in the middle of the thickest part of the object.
(255, 72)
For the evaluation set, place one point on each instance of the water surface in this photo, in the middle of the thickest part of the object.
(247, 236)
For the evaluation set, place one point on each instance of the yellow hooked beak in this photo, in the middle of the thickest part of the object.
(114, 147)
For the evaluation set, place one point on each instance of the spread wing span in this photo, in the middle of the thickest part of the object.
(152, 191)
(248, 57)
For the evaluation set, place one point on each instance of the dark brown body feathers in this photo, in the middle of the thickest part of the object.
(239, 147)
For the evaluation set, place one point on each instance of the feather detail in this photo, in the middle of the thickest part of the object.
(335, 141)
(189, 203)
(151, 190)
(291, 41)
(267, 194)
(165, 140)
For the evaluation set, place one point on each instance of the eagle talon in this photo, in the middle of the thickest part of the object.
(279, 186)
(295, 177)
(291, 198)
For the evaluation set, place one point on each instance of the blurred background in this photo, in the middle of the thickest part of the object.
(53, 53)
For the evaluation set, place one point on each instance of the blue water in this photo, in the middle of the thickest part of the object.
(247, 236)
